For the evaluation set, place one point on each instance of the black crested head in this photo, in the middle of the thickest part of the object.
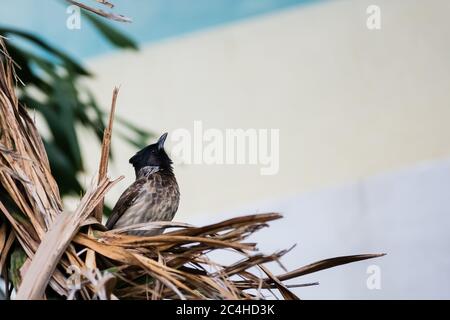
(153, 155)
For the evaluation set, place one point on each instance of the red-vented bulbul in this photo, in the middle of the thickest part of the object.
(154, 196)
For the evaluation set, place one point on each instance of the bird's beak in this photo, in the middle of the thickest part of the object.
(161, 141)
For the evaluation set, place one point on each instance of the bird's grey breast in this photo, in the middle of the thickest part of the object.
(157, 200)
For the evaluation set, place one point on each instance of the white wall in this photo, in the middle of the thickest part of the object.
(405, 214)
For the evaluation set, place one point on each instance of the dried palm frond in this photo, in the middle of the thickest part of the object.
(108, 15)
(72, 255)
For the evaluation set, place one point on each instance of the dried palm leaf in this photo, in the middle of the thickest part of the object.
(108, 15)
(72, 255)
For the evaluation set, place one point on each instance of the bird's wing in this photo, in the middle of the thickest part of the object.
(125, 201)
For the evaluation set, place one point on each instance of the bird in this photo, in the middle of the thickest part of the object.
(153, 196)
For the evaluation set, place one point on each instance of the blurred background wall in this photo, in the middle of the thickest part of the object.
(363, 118)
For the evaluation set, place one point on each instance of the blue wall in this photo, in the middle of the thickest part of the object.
(153, 20)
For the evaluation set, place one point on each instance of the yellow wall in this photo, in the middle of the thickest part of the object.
(349, 102)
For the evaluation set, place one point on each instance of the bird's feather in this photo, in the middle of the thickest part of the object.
(125, 201)
(154, 196)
